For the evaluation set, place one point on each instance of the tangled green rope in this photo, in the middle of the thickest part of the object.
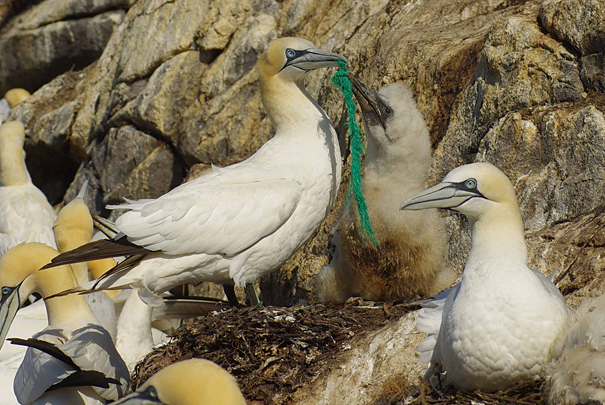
(342, 81)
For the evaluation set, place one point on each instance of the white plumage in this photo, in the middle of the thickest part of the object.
(498, 324)
(240, 222)
(25, 214)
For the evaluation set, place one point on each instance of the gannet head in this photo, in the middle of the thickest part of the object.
(19, 277)
(290, 58)
(470, 189)
(393, 123)
(188, 382)
(16, 96)
(74, 225)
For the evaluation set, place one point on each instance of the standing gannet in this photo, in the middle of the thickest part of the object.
(408, 262)
(498, 324)
(236, 223)
(73, 348)
(188, 382)
(25, 214)
(72, 229)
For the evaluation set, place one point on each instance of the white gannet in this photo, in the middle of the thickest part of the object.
(188, 382)
(408, 262)
(25, 214)
(72, 229)
(16, 96)
(73, 333)
(237, 223)
(496, 327)
(576, 374)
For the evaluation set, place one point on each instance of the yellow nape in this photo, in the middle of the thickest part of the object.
(16, 96)
(97, 268)
(13, 171)
(195, 382)
(73, 226)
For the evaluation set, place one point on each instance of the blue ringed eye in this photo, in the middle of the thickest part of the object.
(470, 184)
(6, 290)
(290, 53)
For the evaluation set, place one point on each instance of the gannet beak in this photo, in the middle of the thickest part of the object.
(443, 195)
(9, 305)
(147, 397)
(314, 58)
(370, 102)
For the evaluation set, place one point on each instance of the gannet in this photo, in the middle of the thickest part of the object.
(497, 325)
(576, 374)
(72, 229)
(74, 345)
(236, 223)
(16, 96)
(25, 214)
(408, 262)
(188, 382)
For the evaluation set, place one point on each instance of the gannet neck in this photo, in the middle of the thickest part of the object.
(498, 234)
(291, 109)
(13, 171)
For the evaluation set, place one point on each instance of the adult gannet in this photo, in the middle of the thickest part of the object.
(497, 325)
(25, 214)
(74, 347)
(72, 229)
(188, 382)
(237, 223)
(408, 262)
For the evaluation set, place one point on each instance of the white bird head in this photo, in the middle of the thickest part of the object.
(188, 382)
(471, 189)
(290, 58)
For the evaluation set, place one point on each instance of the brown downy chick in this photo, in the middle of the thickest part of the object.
(409, 261)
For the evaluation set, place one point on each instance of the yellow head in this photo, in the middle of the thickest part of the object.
(188, 382)
(73, 226)
(16, 96)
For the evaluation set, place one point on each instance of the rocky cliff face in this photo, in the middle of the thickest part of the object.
(133, 95)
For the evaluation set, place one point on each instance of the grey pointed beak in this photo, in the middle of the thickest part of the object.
(443, 195)
(370, 103)
(314, 58)
(9, 305)
(83, 193)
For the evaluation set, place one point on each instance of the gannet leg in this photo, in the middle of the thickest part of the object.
(230, 293)
(252, 297)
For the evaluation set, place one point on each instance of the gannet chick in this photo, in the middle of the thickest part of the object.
(499, 323)
(16, 96)
(408, 262)
(72, 229)
(188, 382)
(576, 374)
(236, 223)
(73, 331)
(25, 214)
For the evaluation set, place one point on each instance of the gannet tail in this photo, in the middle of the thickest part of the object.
(101, 249)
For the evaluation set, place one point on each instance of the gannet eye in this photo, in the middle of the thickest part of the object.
(470, 184)
(6, 290)
(388, 111)
(290, 53)
(152, 392)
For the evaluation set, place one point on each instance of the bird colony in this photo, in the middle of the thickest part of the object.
(105, 297)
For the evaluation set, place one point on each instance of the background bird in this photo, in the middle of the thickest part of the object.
(409, 261)
(188, 382)
(74, 351)
(25, 213)
(237, 223)
(498, 324)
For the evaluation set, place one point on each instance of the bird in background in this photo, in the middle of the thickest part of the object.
(237, 223)
(408, 263)
(576, 374)
(11, 99)
(73, 360)
(495, 327)
(25, 213)
(188, 382)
